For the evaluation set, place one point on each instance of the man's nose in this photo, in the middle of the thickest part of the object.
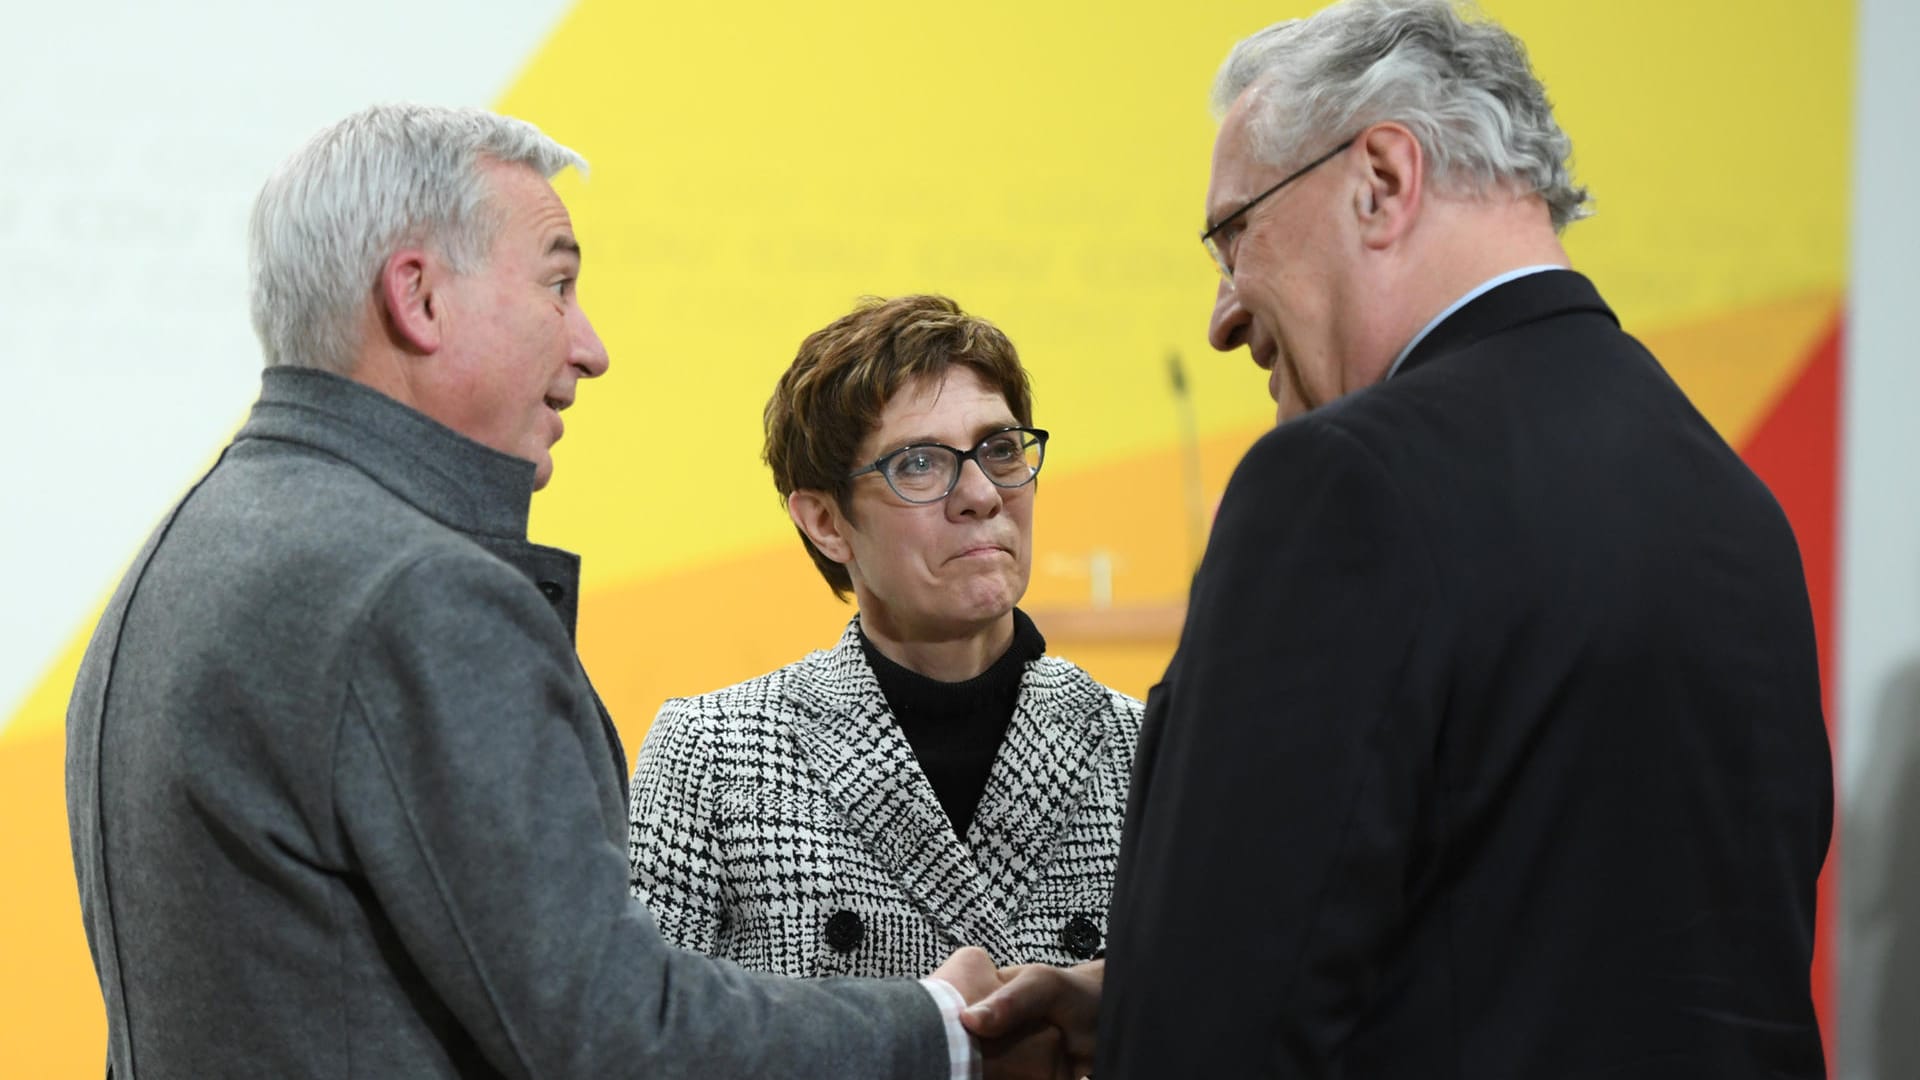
(1227, 330)
(589, 355)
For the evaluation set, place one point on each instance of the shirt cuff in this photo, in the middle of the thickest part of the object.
(962, 1056)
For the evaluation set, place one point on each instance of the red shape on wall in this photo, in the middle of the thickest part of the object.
(1796, 450)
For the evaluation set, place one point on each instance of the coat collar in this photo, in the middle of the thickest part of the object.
(441, 472)
(1503, 307)
(452, 479)
(971, 891)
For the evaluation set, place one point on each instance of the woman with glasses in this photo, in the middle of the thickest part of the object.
(934, 779)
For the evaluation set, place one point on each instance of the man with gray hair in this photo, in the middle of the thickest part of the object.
(342, 802)
(1493, 742)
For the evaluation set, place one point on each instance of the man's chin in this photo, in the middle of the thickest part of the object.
(1286, 397)
(1289, 399)
(1287, 404)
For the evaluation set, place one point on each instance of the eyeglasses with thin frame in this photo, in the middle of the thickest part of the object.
(928, 472)
(1220, 251)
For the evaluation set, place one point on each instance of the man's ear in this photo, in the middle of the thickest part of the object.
(408, 280)
(817, 514)
(1389, 204)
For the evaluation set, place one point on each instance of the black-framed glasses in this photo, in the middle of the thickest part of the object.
(927, 472)
(1210, 239)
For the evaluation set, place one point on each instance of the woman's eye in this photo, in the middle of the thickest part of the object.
(1003, 448)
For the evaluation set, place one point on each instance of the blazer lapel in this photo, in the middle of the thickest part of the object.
(1038, 779)
(871, 777)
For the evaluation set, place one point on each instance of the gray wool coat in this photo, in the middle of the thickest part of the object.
(343, 804)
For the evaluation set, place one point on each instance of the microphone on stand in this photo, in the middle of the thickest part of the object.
(1190, 452)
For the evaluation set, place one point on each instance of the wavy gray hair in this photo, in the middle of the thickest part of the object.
(1459, 82)
(382, 179)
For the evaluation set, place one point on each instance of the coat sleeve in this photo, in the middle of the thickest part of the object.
(1284, 766)
(471, 783)
(672, 828)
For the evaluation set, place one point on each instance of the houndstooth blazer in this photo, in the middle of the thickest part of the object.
(785, 824)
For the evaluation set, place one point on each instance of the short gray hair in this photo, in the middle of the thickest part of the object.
(382, 179)
(1459, 82)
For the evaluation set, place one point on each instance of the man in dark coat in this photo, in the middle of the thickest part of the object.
(1493, 744)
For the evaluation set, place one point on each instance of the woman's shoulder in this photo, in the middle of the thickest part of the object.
(750, 704)
(1057, 676)
(745, 701)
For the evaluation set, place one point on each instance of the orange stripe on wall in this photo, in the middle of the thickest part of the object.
(1736, 364)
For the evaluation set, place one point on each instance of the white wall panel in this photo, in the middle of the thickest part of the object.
(1879, 691)
(132, 139)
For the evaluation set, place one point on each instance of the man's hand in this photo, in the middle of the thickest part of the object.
(1040, 1012)
(970, 971)
(1016, 1035)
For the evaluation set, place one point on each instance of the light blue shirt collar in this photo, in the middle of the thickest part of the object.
(1472, 294)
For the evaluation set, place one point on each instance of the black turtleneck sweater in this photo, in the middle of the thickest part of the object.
(955, 728)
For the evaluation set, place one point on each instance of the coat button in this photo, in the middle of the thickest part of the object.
(1081, 937)
(553, 591)
(844, 931)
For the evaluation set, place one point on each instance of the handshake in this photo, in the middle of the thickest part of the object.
(1031, 1020)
